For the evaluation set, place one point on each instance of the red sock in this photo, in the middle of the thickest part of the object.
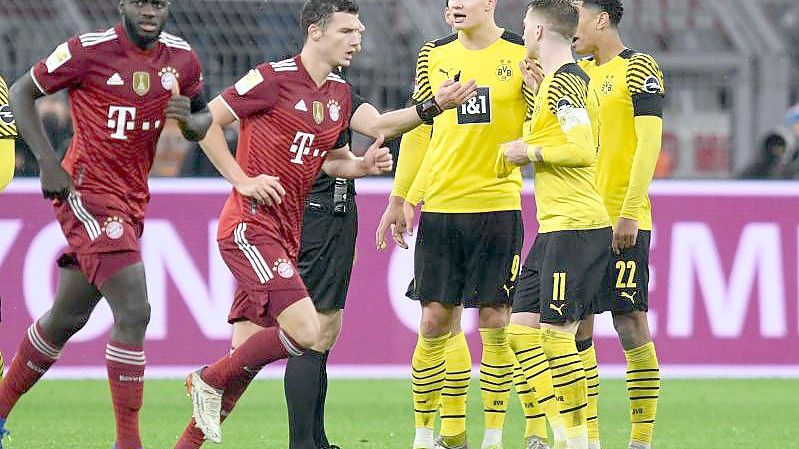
(126, 378)
(34, 357)
(263, 348)
(192, 437)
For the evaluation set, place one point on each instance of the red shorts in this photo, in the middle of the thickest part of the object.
(268, 280)
(102, 240)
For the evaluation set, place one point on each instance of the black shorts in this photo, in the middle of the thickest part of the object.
(468, 259)
(564, 274)
(628, 279)
(326, 255)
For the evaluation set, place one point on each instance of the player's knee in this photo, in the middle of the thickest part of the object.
(328, 335)
(305, 333)
(434, 325)
(134, 315)
(631, 328)
(493, 317)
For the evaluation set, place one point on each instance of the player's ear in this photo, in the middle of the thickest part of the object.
(602, 20)
(314, 32)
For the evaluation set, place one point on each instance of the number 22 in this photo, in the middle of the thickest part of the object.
(622, 267)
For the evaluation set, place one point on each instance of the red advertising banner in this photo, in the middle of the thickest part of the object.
(724, 297)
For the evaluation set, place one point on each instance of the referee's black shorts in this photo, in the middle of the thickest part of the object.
(326, 254)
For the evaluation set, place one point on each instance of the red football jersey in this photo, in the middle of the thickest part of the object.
(287, 126)
(117, 96)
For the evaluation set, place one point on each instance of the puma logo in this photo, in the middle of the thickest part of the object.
(508, 290)
(626, 295)
(558, 309)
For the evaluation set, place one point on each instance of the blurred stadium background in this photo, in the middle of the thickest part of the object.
(728, 64)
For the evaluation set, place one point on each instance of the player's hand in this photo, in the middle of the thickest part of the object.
(378, 159)
(265, 189)
(395, 217)
(531, 74)
(516, 153)
(178, 107)
(452, 94)
(56, 182)
(624, 235)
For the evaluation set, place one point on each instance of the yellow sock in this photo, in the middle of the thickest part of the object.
(643, 388)
(2, 365)
(535, 420)
(496, 375)
(456, 386)
(525, 342)
(588, 356)
(568, 379)
(428, 373)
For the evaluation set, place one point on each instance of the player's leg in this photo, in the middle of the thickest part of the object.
(39, 349)
(437, 284)
(456, 385)
(630, 301)
(325, 262)
(585, 347)
(126, 293)
(524, 337)
(573, 271)
(193, 437)
(492, 245)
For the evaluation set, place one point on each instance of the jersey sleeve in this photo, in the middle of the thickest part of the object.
(256, 92)
(8, 127)
(422, 90)
(193, 82)
(64, 68)
(646, 85)
(566, 99)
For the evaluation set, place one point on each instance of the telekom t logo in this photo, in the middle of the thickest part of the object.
(123, 118)
(302, 146)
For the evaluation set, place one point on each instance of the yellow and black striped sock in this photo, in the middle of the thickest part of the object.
(525, 342)
(428, 378)
(496, 375)
(643, 388)
(588, 356)
(2, 365)
(535, 420)
(568, 379)
(456, 387)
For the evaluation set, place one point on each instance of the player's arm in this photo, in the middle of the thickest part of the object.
(264, 188)
(646, 87)
(8, 132)
(56, 182)
(368, 121)
(341, 163)
(190, 108)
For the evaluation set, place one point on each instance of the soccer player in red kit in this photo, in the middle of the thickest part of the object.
(123, 84)
(294, 118)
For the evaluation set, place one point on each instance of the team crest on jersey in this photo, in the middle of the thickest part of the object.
(169, 76)
(607, 86)
(334, 109)
(318, 112)
(504, 70)
(113, 228)
(141, 83)
(283, 268)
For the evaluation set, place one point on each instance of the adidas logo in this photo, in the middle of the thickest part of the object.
(115, 80)
(300, 106)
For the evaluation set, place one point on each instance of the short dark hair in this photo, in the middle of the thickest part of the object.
(561, 14)
(319, 12)
(613, 8)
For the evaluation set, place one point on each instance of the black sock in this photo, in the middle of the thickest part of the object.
(302, 384)
(319, 420)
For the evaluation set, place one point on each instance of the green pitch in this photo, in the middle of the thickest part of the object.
(364, 414)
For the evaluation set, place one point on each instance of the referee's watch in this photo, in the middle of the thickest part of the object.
(428, 110)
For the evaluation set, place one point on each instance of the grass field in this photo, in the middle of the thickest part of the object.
(363, 414)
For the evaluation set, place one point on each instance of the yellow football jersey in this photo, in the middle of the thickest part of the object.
(564, 125)
(459, 150)
(631, 90)
(8, 132)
